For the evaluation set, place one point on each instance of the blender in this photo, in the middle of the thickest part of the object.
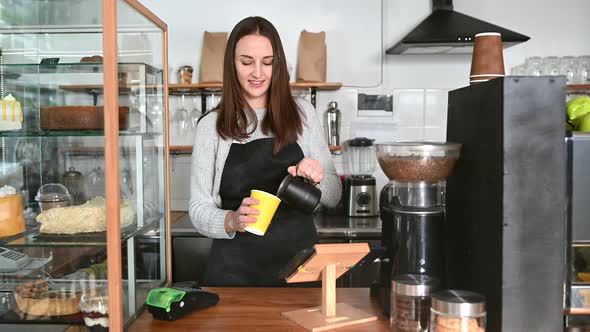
(412, 210)
(360, 195)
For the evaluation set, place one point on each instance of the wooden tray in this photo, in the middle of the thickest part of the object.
(79, 118)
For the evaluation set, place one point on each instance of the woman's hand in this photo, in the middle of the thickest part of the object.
(309, 169)
(237, 221)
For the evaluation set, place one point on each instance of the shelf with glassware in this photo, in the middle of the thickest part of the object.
(205, 89)
(187, 149)
(57, 129)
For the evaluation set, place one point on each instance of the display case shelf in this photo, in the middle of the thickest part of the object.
(76, 133)
(36, 239)
(16, 70)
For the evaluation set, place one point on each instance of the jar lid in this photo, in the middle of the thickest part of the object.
(360, 142)
(72, 173)
(459, 303)
(53, 192)
(414, 284)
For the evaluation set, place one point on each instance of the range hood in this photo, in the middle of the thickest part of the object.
(447, 31)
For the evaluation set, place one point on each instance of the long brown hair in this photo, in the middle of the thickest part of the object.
(283, 117)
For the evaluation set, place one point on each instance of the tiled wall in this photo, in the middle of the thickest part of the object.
(418, 114)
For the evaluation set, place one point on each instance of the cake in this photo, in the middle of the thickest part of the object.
(11, 116)
(35, 298)
(12, 220)
(79, 117)
(86, 218)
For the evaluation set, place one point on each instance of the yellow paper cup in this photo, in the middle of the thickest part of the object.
(268, 204)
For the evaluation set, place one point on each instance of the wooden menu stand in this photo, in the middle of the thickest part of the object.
(329, 262)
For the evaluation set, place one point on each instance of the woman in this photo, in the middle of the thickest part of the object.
(256, 136)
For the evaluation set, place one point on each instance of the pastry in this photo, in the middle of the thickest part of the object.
(96, 313)
(11, 117)
(12, 220)
(85, 218)
(35, 298)
(94, 58)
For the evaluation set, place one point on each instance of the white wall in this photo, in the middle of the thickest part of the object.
(352, 26)
(419, 84)
(188, 19)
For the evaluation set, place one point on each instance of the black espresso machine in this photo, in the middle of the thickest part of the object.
(412, 210)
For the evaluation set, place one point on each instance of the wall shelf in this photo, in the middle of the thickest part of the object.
(578, 88)
(201, 88)
(181, 149)
(188, 149)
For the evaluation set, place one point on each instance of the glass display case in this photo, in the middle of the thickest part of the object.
(83, 130)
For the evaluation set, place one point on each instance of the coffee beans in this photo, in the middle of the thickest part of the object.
(410, 313)
(452, 324)
(416, 168)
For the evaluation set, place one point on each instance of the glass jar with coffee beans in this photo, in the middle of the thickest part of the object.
(457, 311)
(410, 302)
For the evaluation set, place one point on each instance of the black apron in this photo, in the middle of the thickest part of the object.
(248, 259)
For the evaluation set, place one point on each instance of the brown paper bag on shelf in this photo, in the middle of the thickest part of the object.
(211, 70)
(311, 60)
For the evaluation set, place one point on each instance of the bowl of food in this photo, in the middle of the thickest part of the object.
(417, 161)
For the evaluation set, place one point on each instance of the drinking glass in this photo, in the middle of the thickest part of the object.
(583, 70)
(568, 68)
(550, 66)
(182, 118)
(519, 70)
(212, 101)
(95, 182)
(533, 66)
(126, 184)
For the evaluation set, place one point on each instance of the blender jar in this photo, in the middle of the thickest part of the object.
(360, 156)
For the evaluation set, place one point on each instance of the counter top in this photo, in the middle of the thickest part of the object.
(328, 226)
(259, 309)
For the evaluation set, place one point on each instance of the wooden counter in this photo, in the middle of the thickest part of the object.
(259, 309)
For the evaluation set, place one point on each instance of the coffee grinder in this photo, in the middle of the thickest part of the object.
(360, 195)
(412, 210)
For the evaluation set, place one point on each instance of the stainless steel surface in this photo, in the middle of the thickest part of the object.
(459, 303)
(579, 180)
(414, 285)
(332, 121)
(328, 226)
(362, 201)
(342, 226)
(415, 194)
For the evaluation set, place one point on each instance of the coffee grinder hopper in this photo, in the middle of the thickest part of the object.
(417, 171)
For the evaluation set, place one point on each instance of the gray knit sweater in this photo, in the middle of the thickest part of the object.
(208, 160)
